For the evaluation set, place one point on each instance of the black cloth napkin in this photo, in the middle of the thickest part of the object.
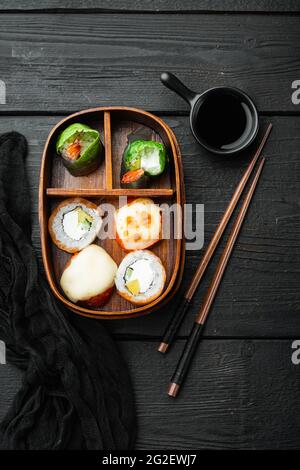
(76, 392)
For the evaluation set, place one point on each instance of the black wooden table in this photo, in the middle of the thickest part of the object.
(59, 56)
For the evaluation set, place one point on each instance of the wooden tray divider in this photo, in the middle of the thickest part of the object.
(88, 192)
(108, 155)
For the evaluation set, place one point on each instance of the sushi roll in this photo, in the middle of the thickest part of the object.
(138, 224)
(88, 278)
(141, 277)
(142, 160)
(80, 148)
(74, 224)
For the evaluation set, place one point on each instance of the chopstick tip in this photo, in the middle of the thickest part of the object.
(262, 162)
(162, 348)
(173, 389)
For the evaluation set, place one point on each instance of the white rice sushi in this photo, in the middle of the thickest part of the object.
(141, 277)
(74, 224)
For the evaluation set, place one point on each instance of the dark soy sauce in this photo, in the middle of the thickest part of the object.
(222, 120)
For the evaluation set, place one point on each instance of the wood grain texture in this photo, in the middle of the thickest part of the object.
(108, 152)
(122, 57)
(259, 295)
(149, 192)
(239, 394)
(154, 5)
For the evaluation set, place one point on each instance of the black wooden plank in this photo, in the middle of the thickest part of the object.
(259, 295)
(155, 5)
(238, 394)
(58, 63)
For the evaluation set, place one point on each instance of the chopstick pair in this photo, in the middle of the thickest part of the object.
(176, 320)
(197, 329)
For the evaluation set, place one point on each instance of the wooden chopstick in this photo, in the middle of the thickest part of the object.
(176, 320)
(197, 329)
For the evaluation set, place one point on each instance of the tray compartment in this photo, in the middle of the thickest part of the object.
(165, 249)
(121, 128)
(62, 178)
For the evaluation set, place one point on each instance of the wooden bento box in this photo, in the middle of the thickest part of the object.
(103, 185)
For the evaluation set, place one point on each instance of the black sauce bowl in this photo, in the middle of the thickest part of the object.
(196, 101)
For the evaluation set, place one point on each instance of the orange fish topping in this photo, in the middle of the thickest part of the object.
(73, 151)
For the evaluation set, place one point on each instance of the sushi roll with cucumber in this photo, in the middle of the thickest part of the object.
(74, 224)
(142, 160)
(141, 277)
(80, 148)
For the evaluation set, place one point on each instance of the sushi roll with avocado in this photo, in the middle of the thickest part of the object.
(74, 224)
(142, 160)
(80, 148)
(88, 278)
(141, 277)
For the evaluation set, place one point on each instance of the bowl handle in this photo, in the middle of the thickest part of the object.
(174, 84)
